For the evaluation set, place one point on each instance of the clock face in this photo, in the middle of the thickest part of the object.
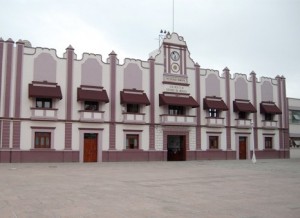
(175, 68)
(175, 55)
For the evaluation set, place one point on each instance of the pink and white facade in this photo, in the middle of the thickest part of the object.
(65, 109)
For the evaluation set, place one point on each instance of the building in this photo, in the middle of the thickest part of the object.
(64, 109)
(294, 121)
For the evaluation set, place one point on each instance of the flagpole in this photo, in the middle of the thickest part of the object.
(173, 15)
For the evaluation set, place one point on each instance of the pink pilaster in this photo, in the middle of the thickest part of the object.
(228, 112)
(18, 88)
(7, 94)
(1, 66)
(254, 102)
(285, 111)
(69, 96)
(152, 105)
(280, 116)
(112, 125)
(198, 99)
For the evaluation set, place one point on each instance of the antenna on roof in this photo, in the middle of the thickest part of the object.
(161, 36)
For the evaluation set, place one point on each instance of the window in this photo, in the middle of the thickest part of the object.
(133, 108)
(268, 143)
(42, 140)
(132, 141)
(43, 103)
(213, 113)
(268, 117)
(176, 110)
(213, 142)
(295, 116)
(91, 105)
(242, 115)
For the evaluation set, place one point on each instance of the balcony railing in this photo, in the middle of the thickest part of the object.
(215, 121)
(270, 124)
(133, 118)
(91, 116)
(243, 123)
(44, 114)
(177, 119)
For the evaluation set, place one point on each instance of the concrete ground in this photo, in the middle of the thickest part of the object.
(208, 189)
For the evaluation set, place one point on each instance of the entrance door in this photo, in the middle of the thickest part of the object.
(90, 147)
(242, 148)
(176, 148)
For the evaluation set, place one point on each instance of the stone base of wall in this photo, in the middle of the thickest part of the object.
(47, 156)
(133, 155)
(40, 156)
(211, 155)
(272, 154)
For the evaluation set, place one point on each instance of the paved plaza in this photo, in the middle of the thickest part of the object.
(208, 189)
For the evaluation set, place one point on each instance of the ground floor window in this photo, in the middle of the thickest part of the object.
(132, 141)
(268, 142)
(213, 142)
(42, 140)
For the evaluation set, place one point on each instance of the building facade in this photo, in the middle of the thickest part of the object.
(64, 109)
(294, 121)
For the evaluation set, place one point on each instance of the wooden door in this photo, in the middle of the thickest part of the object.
(90, 148)
(242, 148)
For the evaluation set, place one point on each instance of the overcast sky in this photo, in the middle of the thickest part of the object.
(244, 35)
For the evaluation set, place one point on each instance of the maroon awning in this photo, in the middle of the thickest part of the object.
(134, 98)
(44, 91)
(188, 101)
(243, 106)
(214, 103)
(269, 108)
(92, 95)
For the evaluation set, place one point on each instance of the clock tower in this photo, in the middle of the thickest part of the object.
(174, 56)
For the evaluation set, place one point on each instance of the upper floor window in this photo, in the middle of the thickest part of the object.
(243, 115)
(43, 103)
(213, 113)
(176, 110)
(133, 108)
(295, 116)
(42, 140)
(268, 142)
(91, 105)
(269, 117)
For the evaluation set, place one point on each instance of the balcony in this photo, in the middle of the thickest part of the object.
(91, 116)
(44, 114)
(167, 119)
(215, 121)
(243, 123)
(269, 124)
(133, 118)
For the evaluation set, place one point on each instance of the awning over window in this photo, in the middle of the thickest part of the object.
(44, 91)
(92, 95)
(134, 98)
(188, 101)
(269, 108)
(214, 103)
(243, 106)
